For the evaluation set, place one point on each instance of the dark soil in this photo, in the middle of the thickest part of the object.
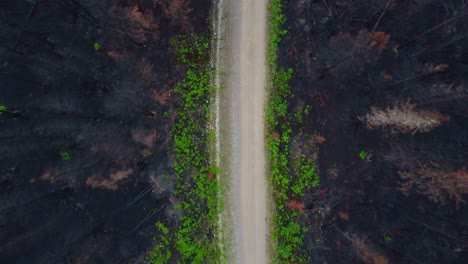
(359, 202)
(90, 79)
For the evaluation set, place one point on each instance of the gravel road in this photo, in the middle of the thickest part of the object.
(241, 70)
(248, 85)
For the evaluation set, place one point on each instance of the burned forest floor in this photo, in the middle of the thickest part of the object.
(86, 109)
(386, 85)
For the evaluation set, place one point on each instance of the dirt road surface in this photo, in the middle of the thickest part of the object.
(248, 81)
(240, 63)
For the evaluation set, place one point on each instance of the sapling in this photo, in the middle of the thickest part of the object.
(363, 155)
(388, 239)
(3, 109)
(65, 155)
(97, 46)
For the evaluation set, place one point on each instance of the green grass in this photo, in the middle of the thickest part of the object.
(195, 239)
(289, 179)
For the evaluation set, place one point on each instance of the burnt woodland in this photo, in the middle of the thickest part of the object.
(376, 112)
(86, 109)
(386, 84)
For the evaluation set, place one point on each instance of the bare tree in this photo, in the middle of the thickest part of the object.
(437, 184)
(404, 118)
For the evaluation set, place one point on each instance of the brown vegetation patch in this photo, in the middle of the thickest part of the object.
(146, 138)
(296, 205)
(108, 140)
(115, 55)
(178, 12)
(292, 52)
(344, 215)
(48, 175)
(431, 68)
(346, 39)
(210, 176)
(386, 76)
(318, 139)
(275, 135)
(138, 25)
(162, 96)
(146, 70)
(379, 40)
(366, 253)
(146, 152)
(111, 182)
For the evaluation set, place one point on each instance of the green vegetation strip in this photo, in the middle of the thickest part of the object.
(291, 173)
(195, 239)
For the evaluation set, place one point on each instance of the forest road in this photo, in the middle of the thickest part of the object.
(248, 83)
